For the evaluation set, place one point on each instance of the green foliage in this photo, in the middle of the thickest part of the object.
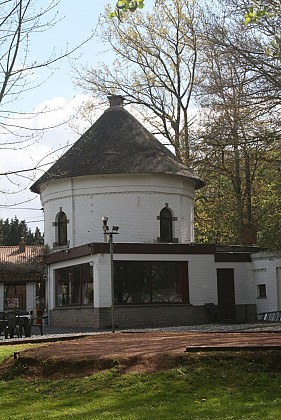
(254, 14)
(228, 204)
(215, 215)
(221, 214)
(262, 14)
(11, 232)
(237, 145)
(267, 201)
(124, 6)
(262, 9)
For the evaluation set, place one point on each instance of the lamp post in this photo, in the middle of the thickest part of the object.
(109, 234)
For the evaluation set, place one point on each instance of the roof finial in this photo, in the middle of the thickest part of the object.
(116, 100)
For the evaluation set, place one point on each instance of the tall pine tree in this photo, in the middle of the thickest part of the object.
(11, 232)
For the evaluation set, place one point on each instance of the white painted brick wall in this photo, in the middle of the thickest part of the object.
(202, 279)
(102, 281)
(201, 269)
(244, 282)
(31, 296)
(266, 267)
(131, 202)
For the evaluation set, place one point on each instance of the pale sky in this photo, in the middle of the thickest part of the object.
(57, 93)
(79, 20)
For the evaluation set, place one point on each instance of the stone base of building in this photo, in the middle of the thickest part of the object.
(245, 313)
(142, 316)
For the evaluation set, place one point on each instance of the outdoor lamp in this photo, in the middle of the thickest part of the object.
(114, 231)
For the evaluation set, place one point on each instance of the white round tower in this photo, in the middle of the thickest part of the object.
(120, 170)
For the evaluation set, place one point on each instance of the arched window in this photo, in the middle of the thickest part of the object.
(166, 226)
(62, 229)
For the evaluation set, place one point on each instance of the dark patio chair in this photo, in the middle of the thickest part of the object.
(3, 324)
(212, 312)
(24, 322)
(12, 323)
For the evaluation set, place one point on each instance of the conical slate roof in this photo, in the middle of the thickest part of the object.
(117, 143)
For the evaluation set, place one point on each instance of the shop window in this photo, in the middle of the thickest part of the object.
(14, 296)
(262, 291)
(74, 285)
(145, 282)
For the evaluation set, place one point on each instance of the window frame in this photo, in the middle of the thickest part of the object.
(61, 233)
(166, 225)
(16, 300)
(74, 286)
(62, 229)
(262, 291)
(139, 282)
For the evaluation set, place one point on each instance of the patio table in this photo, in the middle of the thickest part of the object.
(15, 322)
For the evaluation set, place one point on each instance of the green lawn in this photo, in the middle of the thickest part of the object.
(9, 350)
(240, 385)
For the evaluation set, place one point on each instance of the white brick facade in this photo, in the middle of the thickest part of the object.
(131, 184)
(201, 272)
(132, 202)
(267, 271)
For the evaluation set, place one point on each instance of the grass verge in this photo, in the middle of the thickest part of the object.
(242, 385)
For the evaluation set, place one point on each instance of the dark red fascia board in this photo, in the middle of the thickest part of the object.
(233, 257)
(140, 248)
(128, 248)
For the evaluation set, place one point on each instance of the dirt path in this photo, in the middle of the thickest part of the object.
(129, 351)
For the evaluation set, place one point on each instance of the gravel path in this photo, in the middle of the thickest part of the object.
(254, 327)
(57, 333)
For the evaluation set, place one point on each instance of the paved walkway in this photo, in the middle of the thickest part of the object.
(55, 334)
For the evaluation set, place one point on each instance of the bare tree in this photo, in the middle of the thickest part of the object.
(240, 138)
(258, 48)
(20, 22)
(265, 14)
(156, 67)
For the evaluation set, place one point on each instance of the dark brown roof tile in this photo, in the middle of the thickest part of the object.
(117, 143)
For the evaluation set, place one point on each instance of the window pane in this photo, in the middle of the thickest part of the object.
(262, 290)
(87, 285)
(166, 234)
(150, 282)
(164, 280)
(62, 229)
(14, 296)
(74, 285)
(129, 282)
(61, 276)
